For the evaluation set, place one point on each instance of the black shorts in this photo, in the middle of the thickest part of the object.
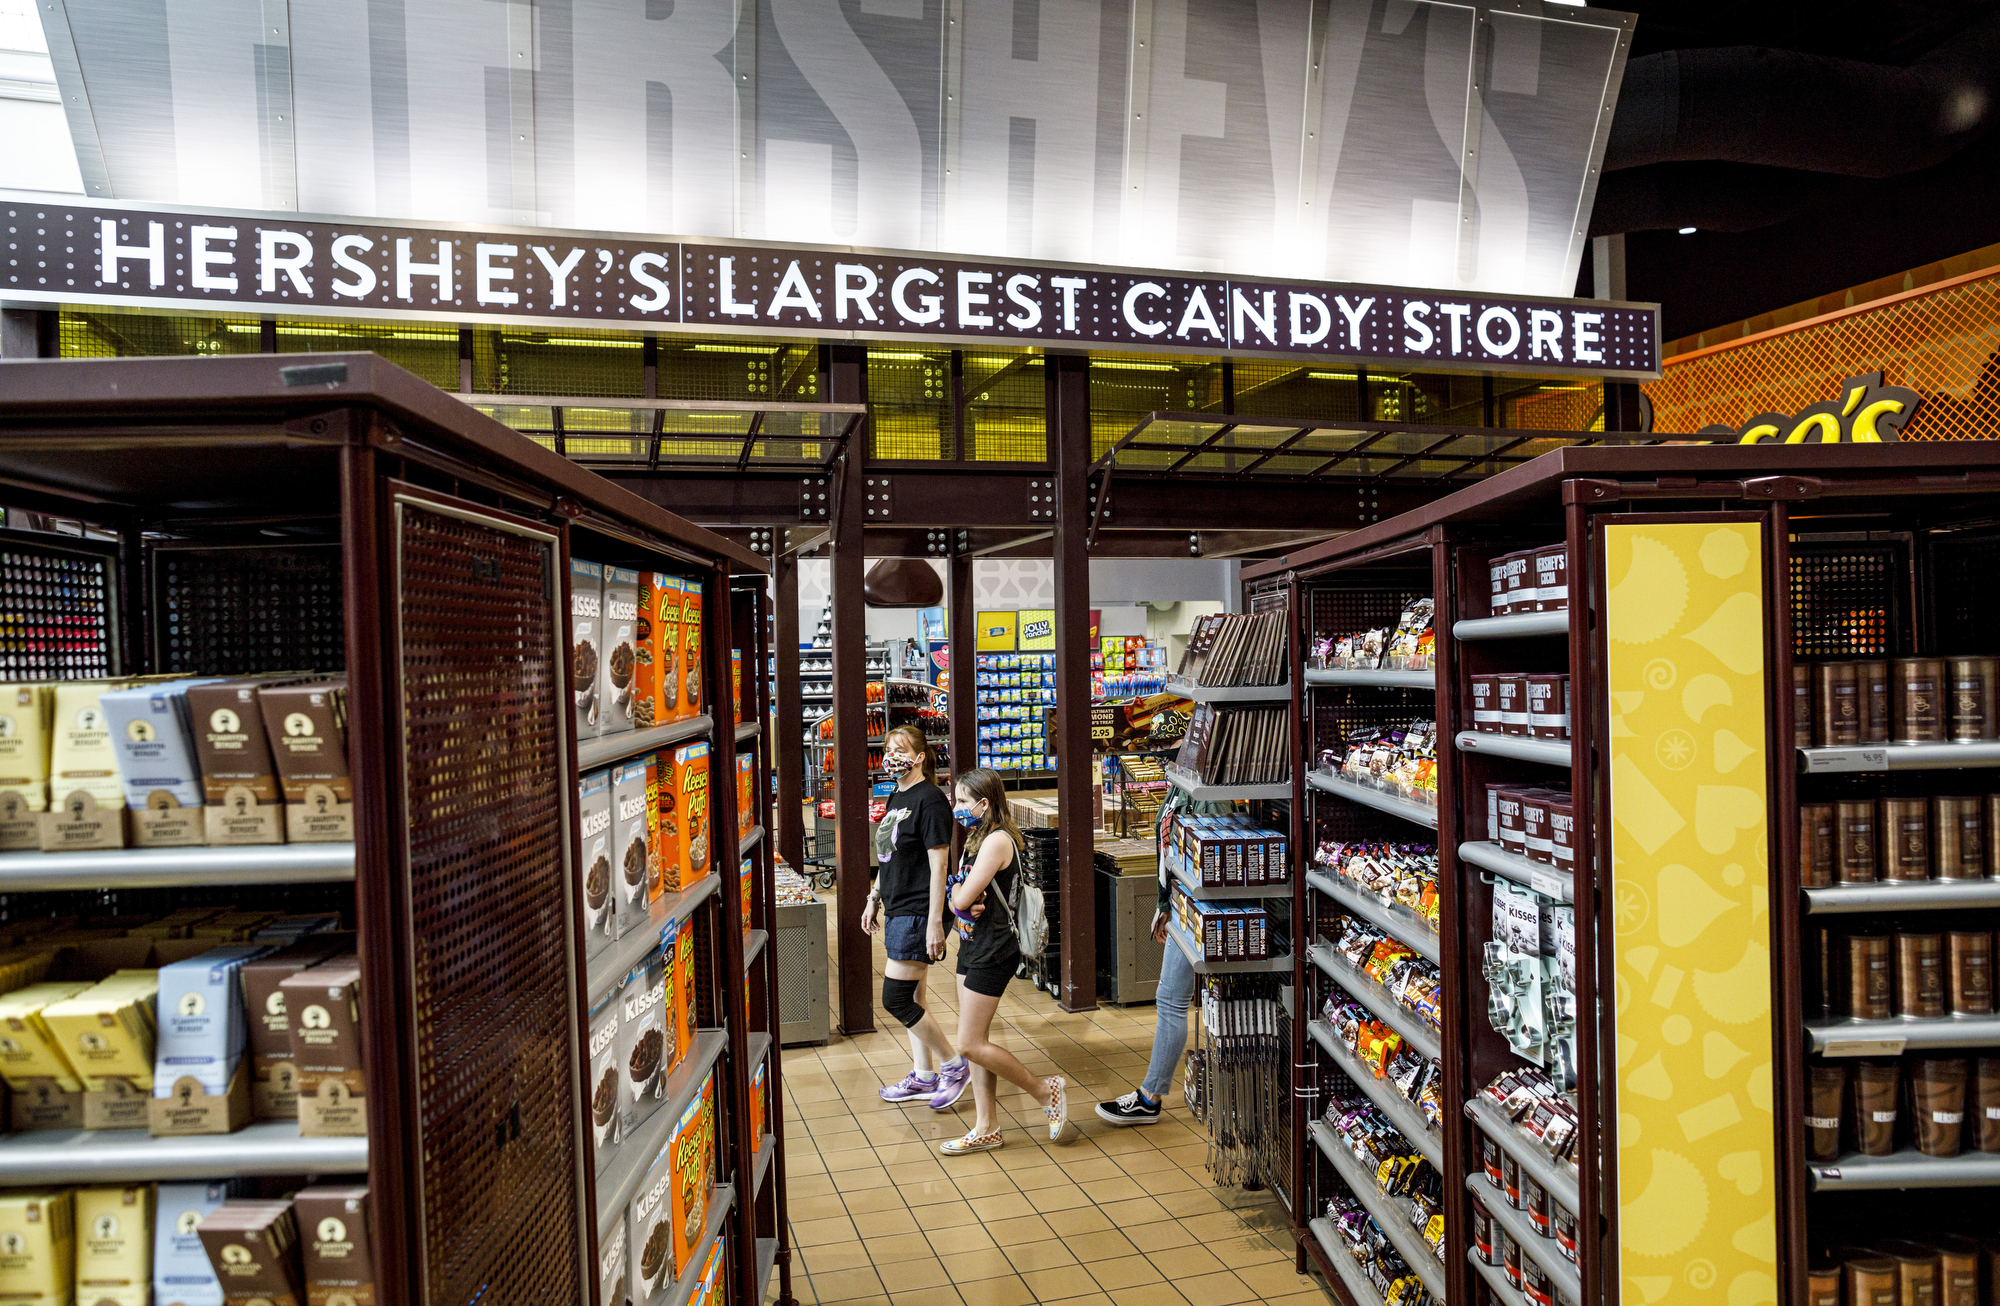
(988, 981)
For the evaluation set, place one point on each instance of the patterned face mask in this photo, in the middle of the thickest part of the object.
(897, 764)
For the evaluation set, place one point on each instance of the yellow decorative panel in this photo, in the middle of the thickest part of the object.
(1689, 904)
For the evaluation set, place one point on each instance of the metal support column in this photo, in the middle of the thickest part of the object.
(787, 743)
(961, 702)
(846, 382)
(1068, 392)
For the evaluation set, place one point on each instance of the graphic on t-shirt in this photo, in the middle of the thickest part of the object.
(885, 833)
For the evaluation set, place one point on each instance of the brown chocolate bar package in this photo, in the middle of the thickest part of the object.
(243, 803)
(253, 1248)
(307, 727)
(333, 1233)
(274, 1083)
(324, 1008)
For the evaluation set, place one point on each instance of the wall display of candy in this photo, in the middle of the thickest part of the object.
(234, 849)
(1126, 666)
(1014, 692)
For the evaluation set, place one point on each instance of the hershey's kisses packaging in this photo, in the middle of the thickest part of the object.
(642, 1041)
(633, 826)
(612, 1267)
(586, 642)
(606, 1077)
(621, 651)
(600, 894)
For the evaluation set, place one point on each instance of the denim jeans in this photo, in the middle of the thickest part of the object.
(1170, 1035)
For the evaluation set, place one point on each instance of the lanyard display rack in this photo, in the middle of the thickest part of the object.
(424, 549)
(1705, 586)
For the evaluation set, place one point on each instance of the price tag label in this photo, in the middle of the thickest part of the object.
(1863, 1047)
(1825, 761)
(1550, 885)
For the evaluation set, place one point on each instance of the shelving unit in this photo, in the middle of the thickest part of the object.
(1272, 965)
(1542, 878)
(1496, 1280)
(1524, 625)
(609, 968)
(1205, 793)
(175, 868)
(1195, 693)
(1227, 892)
(1887, 1038)
(1381, 800)
(1380, 677)
(1549, 752)
(721, 1201)
(1407, 1241)
(1542, 1251)
(1903, 895)
(105, 1156)
(1387, 1100)
(627, 1162)
(1559, 1181)
(1392, 917)
(1908, 1168)
(1897, 757)
(1358, 1287)
(1374, 997)
(449, 544)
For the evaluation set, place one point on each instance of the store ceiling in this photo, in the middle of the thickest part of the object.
(1859, 144)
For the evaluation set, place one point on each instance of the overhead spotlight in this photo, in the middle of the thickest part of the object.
(1687, 231)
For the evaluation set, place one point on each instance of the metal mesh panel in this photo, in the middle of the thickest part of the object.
(790, 945)
(244, 610)
(105, 333)
(55, 613)
(565, 362)
(1962, 573)
(1845, 601)
(1942, 341)
(429, 351)
(1006, 420)
(1568, 406)
(1349, 611)
(738, 369)
(909, 403)
(492, 986)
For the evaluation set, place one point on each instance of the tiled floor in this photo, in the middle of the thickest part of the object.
(1125, 1216)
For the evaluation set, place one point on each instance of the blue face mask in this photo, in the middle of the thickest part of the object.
(966, 817)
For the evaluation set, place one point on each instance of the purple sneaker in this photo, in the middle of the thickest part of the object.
(911, 1087)
(951, 1084)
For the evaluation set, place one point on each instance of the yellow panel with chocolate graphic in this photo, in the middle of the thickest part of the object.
(1689, 906)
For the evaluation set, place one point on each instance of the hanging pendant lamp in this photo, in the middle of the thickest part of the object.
(902, 583)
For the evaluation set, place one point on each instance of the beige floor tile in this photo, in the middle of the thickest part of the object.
(1000, 1290)
(1107, 1245)
(964, 1238)
(1223, 1289)
(1095, 1167)
(1314, 1296)
(1021, 1229)
(1001, 1206)
(873, 1199)
(1121, 1188)
(846, 1285)
(806, 1185)
(817, 1208)
(899, 1247)
(853, 1158)
(817, 1233)
(1053, 1254)
(908, 1276)
(860, 1180)
(1276, 1279)
(835, 1256)
(1195, 1202)
(1148, 1294)
(928, 1192)
(1060, 1284)
(1058, 1197)
(884, 1224)
(1081, 1219)
(945, 1295)
(1032, 1177)
(1186, 1263)
(944, 1215)
(983, 1185)
(969, 1267)
(1124, 1272)
(1158, 1236)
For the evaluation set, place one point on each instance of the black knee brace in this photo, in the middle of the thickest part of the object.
(899, 999)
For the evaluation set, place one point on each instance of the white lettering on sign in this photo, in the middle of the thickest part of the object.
(1037, 630)
(558, 273)
(201, 258)
(293, 263)
(111, 254)
(856, 284)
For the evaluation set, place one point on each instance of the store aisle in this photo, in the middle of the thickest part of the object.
(1125, 1216)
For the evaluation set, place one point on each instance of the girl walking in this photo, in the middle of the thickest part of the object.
(912, 848)
(982, 891)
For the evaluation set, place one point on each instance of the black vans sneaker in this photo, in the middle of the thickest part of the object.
(1129, 1110)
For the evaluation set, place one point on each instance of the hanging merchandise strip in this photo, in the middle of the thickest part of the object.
(216, 260)
(1237, 1082)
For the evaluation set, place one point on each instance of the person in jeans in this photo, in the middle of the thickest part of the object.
(1170, 1001)
(983, 890)
(906, 902)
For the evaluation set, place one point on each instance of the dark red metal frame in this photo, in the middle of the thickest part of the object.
(1577, 491)
(75, 437)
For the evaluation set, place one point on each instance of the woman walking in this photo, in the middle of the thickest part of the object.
(906, 902)
(982, 894)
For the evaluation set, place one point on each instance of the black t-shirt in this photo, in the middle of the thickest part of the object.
(918, 819)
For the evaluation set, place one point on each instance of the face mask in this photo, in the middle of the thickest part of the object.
(966, 816)
(897, 765)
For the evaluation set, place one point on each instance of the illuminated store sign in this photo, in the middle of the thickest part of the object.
(293, 264)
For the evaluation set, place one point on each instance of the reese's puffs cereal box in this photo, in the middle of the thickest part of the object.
(693, 694)
(662, 612)
(691, 812)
